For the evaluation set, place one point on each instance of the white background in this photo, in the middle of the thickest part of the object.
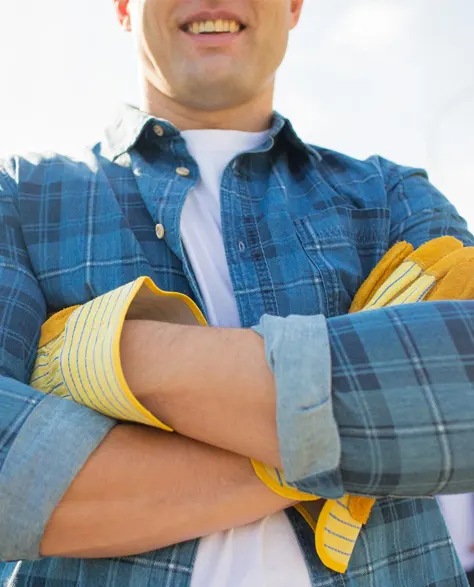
(393, 77)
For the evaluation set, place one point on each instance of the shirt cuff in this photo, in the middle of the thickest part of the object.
(84, 363)
(48, 452)
(298, 353)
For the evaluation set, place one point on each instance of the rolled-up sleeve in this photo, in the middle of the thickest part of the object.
(387, 410)
(47, 442)
(298, 352)
(44, 441)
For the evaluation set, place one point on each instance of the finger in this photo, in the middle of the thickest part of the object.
(410, 270)
(457, 285)
(384, 268)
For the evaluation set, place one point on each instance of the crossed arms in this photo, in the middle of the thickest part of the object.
(375, 404)
(214, 406)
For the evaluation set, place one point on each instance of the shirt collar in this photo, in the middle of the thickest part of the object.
(131, 124)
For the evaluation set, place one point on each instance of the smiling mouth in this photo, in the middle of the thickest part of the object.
(213, 27)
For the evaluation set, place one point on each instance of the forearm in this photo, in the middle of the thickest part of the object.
(386, 411)
(144, 489)
(212, 385)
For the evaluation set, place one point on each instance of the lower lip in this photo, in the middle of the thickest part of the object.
(214, 40)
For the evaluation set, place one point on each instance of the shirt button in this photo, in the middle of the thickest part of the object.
(160, 231)
(158, 130)
(183, 171)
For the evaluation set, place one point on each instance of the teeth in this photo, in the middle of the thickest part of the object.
(214, 26)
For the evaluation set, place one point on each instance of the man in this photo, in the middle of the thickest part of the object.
(211, 194)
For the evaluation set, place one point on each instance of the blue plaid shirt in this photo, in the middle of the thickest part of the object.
(378, 403)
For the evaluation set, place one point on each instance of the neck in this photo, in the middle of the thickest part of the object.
(253, 116)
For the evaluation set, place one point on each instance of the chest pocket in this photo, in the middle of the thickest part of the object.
(343, 245)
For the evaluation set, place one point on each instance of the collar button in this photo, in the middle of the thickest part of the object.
(183, 171)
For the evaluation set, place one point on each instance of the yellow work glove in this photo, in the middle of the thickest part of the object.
(414, 274)
(457, 285)
(79, 348)
(336, 524)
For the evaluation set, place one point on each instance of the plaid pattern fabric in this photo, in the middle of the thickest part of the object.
(431, 373)
(304, 227)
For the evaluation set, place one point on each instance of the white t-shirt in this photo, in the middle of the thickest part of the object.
(265, 553)
(458, 512)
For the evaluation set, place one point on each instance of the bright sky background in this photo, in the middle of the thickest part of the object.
(393, 77)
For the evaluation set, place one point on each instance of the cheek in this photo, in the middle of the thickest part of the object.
(154, 42)
(273, 46)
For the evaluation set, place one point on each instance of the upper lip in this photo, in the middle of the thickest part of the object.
(212, 15)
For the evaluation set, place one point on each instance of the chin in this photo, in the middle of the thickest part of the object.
(217, 95)
(219, 91)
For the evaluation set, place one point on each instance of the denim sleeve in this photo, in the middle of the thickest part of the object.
(298, 353)
(387, 410)
(44, 441)
(380, 403)
(419, 212)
